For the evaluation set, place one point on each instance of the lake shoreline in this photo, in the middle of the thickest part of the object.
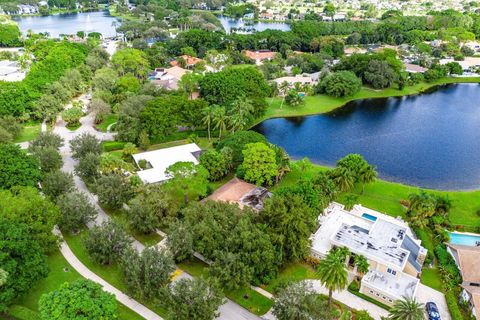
(365, 93)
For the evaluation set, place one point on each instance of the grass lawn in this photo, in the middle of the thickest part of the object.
(54, 280)
(385, 197)
(291, 273)
(322, 103)
(431, 278)
(246, 297)
(111, 273)
(112, 118)
(29, 132)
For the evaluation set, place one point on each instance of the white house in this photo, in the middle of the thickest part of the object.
(158, 161)
(394, 255)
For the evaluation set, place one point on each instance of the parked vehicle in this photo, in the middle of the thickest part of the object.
(432, 311)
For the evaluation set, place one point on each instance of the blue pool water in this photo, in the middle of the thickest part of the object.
(464, 239)
(369, 217)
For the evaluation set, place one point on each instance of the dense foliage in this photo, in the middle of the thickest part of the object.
(18, 168)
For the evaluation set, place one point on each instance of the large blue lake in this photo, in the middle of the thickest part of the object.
(55, 25)
(430, 140)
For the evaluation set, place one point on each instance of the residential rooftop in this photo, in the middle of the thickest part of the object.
(402, 285)
(468, 261)
(159, 160)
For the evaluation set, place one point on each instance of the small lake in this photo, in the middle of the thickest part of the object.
(70, 23)
(430, 140)
(229, 23)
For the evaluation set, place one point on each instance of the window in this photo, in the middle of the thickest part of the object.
(391, 271)
(378, 294)
(371, 291)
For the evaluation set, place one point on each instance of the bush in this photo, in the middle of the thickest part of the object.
(354, 286)
(340, 84)
(452, 303)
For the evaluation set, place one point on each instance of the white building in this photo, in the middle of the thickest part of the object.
(394, 255)
(158, 161)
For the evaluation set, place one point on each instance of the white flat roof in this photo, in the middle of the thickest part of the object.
(161, 159)
(402, 285)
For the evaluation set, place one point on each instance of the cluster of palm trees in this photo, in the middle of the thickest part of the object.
(234, 118)
(345, 177)
(333, 274)
(422, 206)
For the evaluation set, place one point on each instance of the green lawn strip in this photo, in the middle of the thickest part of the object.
(73, 127)
(120, 216)
(28, 304)
(30, 130)
(431, 277)
(293, 272)
(246, 297)
(111, 273)
(322, 103)
(110, 119)
(385, 197)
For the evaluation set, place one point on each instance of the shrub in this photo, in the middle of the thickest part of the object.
(452, 303)
(340, 84)
(72, 116)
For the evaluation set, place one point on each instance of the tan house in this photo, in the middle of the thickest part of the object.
(394, 255)
(188, 61)
(242, 193)
(467, 259)
(260, 55)
(167, 78)
(414, 68)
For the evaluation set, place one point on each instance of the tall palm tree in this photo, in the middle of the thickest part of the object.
(421, 208)
(361, 264)
(220, 118)
(344, 179)
(208, 115)
(333, 273)
(367, 174)
(407, 309)
(282, 88)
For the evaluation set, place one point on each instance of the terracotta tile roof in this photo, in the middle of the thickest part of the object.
(232, 191)
(260, 55)
(468, 258)
(189, 60)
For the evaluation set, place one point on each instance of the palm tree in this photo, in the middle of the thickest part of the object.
(366, 175)
(421, 208)
(208, 115)
(361, 264)
(344, 253)
(282, 88)
(220, 118)
(344, 179)
(333, 273)
(406, 309)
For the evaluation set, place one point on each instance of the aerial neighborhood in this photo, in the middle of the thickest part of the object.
(224, 159)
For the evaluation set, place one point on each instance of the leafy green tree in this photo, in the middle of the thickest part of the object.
(333, 273)
(406, 309)
(78, 300)
(128, 126)
(259, 164)
(188, 179)
(3, 277)
(299, 301)
(237, 142)
(231, 271)
(379, 74)
(150, 209)
(147, 272)
(9, 35)
(83, 144)
(329, 9)
(48, 158)
(107, 243)
(72, 116)
(127, 83)
(128, 150)
(45, 140)
(190, 83)
(87, 167)
(160, 117)
(130, 60)
(26, 205)
(290, 222)
(100, 108)
(195, 299)
(180, 241)
(76, 211)
(340, 84)
(22, 259)
(57, 183)
(18, 168)
(105, 79)
(113, 191)
(215, 164)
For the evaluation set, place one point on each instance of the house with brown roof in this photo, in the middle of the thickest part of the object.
(260, 55)
(167, 78)
(242, 193)
(467, 259)
(186, 61)
(414, 68)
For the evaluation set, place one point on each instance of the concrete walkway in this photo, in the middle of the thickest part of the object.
(120, 296)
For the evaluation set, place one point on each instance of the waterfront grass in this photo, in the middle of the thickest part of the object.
(320, 103)
(60, 273)
(385, 197)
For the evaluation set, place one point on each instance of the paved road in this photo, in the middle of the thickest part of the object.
(426, 294)
(230, 310)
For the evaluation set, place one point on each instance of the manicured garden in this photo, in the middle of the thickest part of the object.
(30, 131)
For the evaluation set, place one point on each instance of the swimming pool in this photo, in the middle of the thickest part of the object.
(369, 217)
(464, 239)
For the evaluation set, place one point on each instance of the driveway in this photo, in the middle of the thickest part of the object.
(426, 294)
